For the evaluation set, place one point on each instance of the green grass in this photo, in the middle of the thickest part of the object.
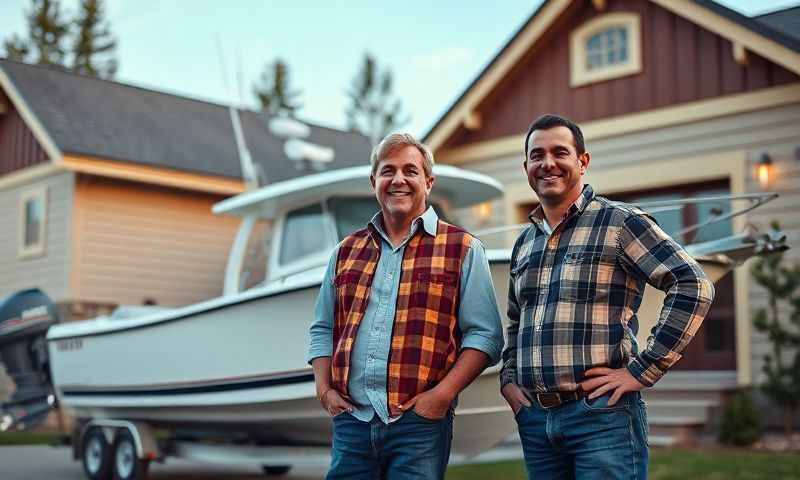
(27, 438)
(670, 464)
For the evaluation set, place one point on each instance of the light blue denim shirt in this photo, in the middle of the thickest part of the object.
(478, 318)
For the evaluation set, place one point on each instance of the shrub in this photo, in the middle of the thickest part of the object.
(741, 423)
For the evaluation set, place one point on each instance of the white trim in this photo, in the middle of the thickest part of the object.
(634, 122)
(509, 57)
(38, 193)
(579, 74)
(28, 175)
(39, 132)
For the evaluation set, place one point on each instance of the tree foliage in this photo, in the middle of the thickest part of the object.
(273, 90)
(83, 43)
(93, 39)
(782, 365)
(373, 110)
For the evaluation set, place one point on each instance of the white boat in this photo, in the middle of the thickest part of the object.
(238, 362)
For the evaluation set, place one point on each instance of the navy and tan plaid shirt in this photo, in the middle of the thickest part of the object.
(574, 293)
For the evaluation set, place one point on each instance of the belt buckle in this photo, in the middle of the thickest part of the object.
(556, 396)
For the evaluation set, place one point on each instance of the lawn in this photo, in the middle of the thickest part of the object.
(670, 464)
(28, 438)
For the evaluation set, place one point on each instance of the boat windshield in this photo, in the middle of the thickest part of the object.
(352, 213)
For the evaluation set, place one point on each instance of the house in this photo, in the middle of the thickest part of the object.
(677, 99)
(106, 189)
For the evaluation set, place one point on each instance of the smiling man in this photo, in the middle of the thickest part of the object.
(406, 318)
(572, 369)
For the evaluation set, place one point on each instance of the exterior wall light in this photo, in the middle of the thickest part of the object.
(764, 170)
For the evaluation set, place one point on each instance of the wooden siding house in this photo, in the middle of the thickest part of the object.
(677, 99)
(106, 189)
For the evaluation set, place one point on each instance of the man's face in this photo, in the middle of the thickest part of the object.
(553, 165)
(401, 185)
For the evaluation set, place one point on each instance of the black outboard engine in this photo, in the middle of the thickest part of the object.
(25, 317)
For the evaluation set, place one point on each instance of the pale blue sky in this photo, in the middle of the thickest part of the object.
(435, 48)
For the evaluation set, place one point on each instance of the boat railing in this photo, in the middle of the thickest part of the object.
(754, 200)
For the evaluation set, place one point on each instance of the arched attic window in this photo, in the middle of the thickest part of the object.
(606, 47)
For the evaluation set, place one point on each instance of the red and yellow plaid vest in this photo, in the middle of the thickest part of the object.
(425, 336)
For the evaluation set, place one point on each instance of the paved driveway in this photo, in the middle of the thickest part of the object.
(50, 463)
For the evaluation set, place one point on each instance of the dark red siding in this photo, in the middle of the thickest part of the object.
(681, 62)
(18, 147)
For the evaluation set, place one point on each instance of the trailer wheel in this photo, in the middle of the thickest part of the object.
(127, 466)
(96, 455)
(276, 469)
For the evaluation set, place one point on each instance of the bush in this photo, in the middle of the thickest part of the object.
(741, 424)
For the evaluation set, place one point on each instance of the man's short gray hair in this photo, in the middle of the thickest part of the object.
(394, 142)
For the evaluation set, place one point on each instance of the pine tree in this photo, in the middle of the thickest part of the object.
(273, 91)
(93, 38)
(372, 110)
(16, 49)
(782, 283)
(47, 30)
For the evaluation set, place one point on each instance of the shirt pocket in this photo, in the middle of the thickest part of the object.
(585, 276)
(435, 282)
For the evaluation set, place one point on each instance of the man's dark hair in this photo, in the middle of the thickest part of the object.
(548, 121)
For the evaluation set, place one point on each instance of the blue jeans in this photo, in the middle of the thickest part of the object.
(412, 447)
(586, 439)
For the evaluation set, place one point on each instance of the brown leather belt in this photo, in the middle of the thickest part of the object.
(556, 399)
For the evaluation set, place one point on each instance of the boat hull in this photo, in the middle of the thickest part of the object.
(237, 368)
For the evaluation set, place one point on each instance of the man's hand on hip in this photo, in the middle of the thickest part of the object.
(335, 403)
(515, 397)
(604, 379)
(432, 404)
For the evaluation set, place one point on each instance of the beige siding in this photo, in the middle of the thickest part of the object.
(135, 242)
(48, 271)
(721, 148)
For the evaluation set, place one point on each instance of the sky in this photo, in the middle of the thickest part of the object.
(434, 48)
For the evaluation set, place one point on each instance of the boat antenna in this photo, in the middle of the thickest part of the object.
(249, 172)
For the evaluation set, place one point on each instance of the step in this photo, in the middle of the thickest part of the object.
(681, 407)
(663, 440)
(677, 421)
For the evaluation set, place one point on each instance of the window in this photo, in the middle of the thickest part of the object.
(303, 234)
(604, 48)
(32, 222)
(352, 213)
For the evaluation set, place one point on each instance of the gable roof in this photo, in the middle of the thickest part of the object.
(87, 116)
(755, 35)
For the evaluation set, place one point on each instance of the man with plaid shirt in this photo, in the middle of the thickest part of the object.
(406, 318)
(572, 369)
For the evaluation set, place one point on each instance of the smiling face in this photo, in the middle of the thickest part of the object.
(401, 185)
(554, 167)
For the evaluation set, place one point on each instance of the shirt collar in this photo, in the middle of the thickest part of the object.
(429, 220)
(587, 194)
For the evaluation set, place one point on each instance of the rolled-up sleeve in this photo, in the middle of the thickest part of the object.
(650, 254)
(478, 317)
(320, 341)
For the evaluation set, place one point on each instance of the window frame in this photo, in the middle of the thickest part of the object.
(579, 73)
(37, 249)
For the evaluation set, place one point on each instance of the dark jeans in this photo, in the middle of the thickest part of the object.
(412, 447)
(586, 439)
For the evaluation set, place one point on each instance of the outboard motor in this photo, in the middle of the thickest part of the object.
(25, 317)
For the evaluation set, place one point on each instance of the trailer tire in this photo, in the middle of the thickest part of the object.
(127, 465)
(275, 469)
(96, 455)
